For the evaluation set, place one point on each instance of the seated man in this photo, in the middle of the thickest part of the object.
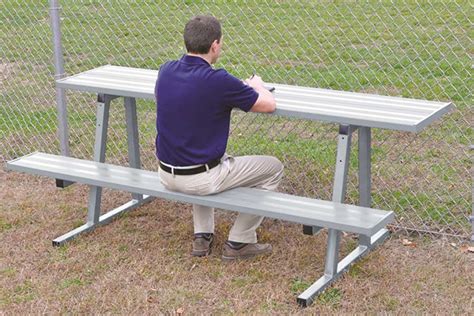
(194, 104)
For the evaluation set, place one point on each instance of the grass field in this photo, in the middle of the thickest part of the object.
(411, 49)
(140, 264)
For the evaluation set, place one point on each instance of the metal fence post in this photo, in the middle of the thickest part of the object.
(63, 130)
(471, 218)
(58, 74)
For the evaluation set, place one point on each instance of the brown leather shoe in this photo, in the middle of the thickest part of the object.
(247, 251)
(201, 246)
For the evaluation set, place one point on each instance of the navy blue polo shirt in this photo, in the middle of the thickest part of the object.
(194, 103)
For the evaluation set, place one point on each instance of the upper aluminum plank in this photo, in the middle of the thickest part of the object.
(304, 102)
(265, 203)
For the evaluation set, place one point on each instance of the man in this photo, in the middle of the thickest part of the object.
(194, 104)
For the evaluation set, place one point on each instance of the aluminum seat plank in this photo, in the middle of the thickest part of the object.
(254, 201)
(347, 108)
(135, 84)
(341, 107)
(140, 81)
(285, 87)
(391, 106)
(128, 69)
(123, 75)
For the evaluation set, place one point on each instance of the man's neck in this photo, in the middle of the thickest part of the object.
(206, 57)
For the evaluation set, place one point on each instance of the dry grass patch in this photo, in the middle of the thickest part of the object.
(140, 264)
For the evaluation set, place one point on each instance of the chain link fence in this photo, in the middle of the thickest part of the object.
(417, 49)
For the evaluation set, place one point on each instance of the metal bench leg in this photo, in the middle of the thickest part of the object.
(342, 166)
(330, 270)
(364, 166)
(132, 137)
(95, 193)
(342, 162)
(333, 269)
(364, 175)
(365, 185)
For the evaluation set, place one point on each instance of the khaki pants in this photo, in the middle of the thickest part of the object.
(264, 172)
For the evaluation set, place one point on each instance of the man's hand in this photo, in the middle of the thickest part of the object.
(255, 82)
(265, 102)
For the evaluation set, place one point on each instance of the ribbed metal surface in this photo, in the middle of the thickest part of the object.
(310, 103)
(270, 204)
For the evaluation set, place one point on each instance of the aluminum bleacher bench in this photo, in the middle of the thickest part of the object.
(335, 216)
(352, 111)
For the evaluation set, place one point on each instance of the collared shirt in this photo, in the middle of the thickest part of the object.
(194, 103)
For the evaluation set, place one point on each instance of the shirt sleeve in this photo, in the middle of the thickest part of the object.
(236, 93)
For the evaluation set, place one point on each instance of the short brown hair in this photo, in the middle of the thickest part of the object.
(200, 32)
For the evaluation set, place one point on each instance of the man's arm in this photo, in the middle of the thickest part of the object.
(266, 102)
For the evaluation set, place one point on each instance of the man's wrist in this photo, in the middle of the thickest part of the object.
(259, 88)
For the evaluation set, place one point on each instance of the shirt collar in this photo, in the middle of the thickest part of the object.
(194, 60)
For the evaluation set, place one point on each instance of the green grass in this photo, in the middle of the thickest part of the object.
(429, 207)
(24, 292)
(391, 303)
(414, 53)
(8, 272)
(4, 225)
(297, 285)
(331, 297)
(36, 122)
(71, 283)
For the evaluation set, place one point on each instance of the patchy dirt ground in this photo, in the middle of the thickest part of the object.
(140, 264)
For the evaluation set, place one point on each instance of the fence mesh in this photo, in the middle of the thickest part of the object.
(418, 49)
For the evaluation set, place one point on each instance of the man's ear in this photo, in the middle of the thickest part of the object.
(214, 45)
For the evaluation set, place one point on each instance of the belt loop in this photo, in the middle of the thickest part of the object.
(207, 168)
(172, 172)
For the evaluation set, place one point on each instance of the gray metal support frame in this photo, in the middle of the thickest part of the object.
(332, 252)
(364, 174)
(132, 137)
(95, 193)
(342, 165)
(307, 297)
(333, 269)
(364, 166)
(311, 230)
(102, 124)
(471, 219)
(365, 156)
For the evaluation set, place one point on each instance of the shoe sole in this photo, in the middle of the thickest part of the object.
(226, 258)
(203, 253)
(200, 253)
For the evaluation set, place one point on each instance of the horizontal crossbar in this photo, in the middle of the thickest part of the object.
(103, 219)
